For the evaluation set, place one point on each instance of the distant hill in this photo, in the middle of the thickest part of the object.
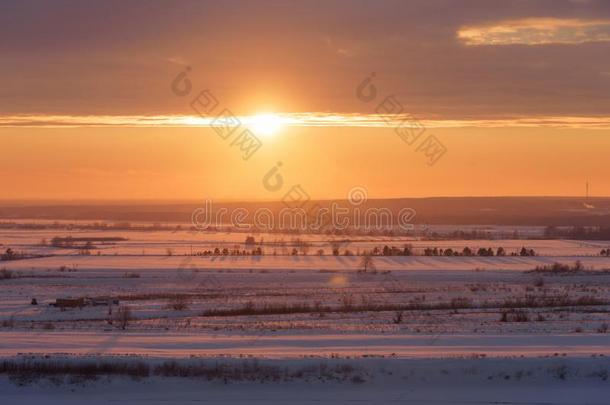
(543, 211)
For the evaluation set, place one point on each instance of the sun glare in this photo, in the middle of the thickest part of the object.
(265, 124)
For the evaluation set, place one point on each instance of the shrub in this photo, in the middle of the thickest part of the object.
(560, 268)
(123, 316)
(485, 252)
(514, 316)
(8, 323)
(527, 252)
(29, 370)
(539, 282)
(397, 319)
(179, 303)
(461, 302)
(561, 372)
(6, 274)
(347, 301)
(9, 255)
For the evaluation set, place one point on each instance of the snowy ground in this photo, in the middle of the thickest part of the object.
(184, 242)
(574, 381)
(182, 345)
(430, 321)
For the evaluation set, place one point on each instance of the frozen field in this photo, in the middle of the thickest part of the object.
(312, 345)
(421, 319)
(571, 381)
(143, 243)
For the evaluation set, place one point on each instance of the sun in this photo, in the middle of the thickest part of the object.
(266, 124)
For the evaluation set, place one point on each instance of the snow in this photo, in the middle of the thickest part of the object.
(184, 344)
(449, 381)
(469, 352)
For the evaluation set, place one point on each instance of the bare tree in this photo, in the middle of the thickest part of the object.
(334, 245)
(123, 316)
(367, 263)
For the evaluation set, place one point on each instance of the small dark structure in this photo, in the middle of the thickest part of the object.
(34, 301)
(69, 302)
(101, 301)
(84, 302)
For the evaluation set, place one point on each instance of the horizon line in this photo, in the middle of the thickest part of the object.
(253, 200)
(307, 119)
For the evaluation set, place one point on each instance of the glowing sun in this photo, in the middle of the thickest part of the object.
(265, 124)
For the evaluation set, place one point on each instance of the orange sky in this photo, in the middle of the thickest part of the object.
(517, 92)
(194, 163)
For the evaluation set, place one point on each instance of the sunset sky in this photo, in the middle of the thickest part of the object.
(516, 92)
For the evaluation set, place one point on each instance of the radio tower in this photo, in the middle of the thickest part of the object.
(586, 203)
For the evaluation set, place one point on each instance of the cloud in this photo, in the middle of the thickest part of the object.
(536, 31)
(302, 120)
(299, 56)
(178, 60)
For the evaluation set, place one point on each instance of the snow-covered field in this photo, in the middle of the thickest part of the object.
(144, 243)
(573, 381)
(485, 328)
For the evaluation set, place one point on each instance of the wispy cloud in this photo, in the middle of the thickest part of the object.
(536, 31)
(298, 120)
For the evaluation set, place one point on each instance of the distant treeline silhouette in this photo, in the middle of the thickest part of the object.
(579, 232)
(526, 211)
